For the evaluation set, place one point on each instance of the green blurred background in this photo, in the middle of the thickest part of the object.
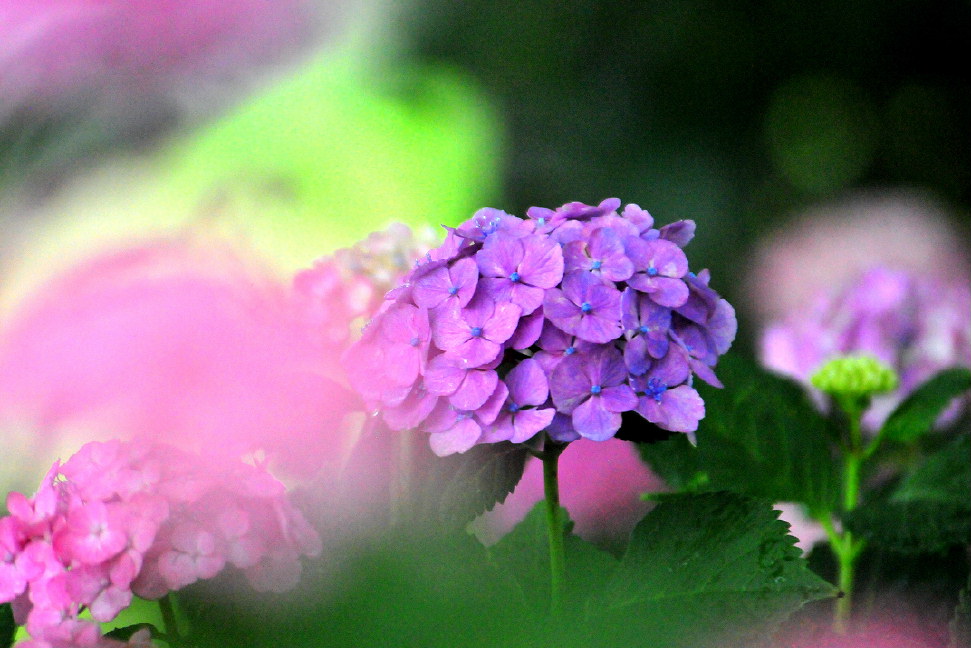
(736, 114)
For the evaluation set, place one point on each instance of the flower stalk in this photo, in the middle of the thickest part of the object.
(554, 524)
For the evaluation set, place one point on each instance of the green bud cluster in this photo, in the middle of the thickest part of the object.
(856, 376)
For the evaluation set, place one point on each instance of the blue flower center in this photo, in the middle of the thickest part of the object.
(461, 416)
(569, 350)
(453, 290)
(514, 277)
(643, 328)
(652, 272)
(654, 389)
(413, 341)
(586, 307)
(541, 221)
(476, 331)
(512, 408)
(596, 264)
(596, 389)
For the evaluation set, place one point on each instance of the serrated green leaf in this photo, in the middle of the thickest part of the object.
(523, 555)
(453, 490)
(916, 415)
(7, 626)
(761, 436)
(710, 569)
(929, 512)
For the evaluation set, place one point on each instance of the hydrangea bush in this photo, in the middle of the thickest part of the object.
(560, 321)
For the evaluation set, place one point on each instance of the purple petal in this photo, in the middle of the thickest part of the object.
(459, 438)
(561, 428)
(629, 311)
(501, 430)
(477, 351)
(672, 369)
(618, 399)
(570, 384)
(679, 232)
(640, 217)
(527, 383)
(528, 298)
(542, 262)
(704, 372)
(592, 421)
(445, 374)
(606, 247)
(527, 423)
(411, 411)
(662, 290)
(503, 323)
(465, 275)
(432, 288)
(575, 257)
(667, 258)
(636, 355)
(475, 390)
(402, 322)
(723, 326)
(491, 408)
(527, 331)
(562, 312)
(598, 329)
(606, 367)
(679, 410)
(449, 329)
(500, 256)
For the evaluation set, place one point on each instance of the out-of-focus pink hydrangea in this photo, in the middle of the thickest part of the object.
(353, 281)
(176, 340)
(52, 49)
(828, 246)
(918, 324)
(600, 486)
(122, 519)
(902, 629)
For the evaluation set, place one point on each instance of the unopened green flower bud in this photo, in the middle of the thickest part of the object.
(854, 376)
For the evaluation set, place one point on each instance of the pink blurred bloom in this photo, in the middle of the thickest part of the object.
(175, 340)
(829, 245)
(96, 551)
(600, 486)
(53, 51)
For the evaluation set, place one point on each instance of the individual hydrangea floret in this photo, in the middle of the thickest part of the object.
(123, 519)
(561, 321)
(916, 325)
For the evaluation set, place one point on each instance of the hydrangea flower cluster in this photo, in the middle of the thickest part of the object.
(122, 519)
(560, 321)
(345, 288)
(915, 324)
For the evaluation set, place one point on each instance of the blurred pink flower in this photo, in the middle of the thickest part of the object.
(179, 341)
(126, 48)
(600, 486)
(825, 247)
(898, 628)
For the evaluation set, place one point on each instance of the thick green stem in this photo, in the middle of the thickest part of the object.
(844, 546)
(554, 525)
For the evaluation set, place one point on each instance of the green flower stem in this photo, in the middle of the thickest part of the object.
(173, 637)
(844, 545)
(554, 524)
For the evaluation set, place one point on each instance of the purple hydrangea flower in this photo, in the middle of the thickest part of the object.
(558, 323)
(594, 390)
(586, 307)
(522, 416)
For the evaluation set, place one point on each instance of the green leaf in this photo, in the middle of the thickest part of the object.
(917, 413)
(523, 554)
(761, 436)
(705, 570)
(930, 510)
(453, 490)
(7, 626)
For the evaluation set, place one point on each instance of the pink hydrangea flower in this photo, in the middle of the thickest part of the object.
(107, 540)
